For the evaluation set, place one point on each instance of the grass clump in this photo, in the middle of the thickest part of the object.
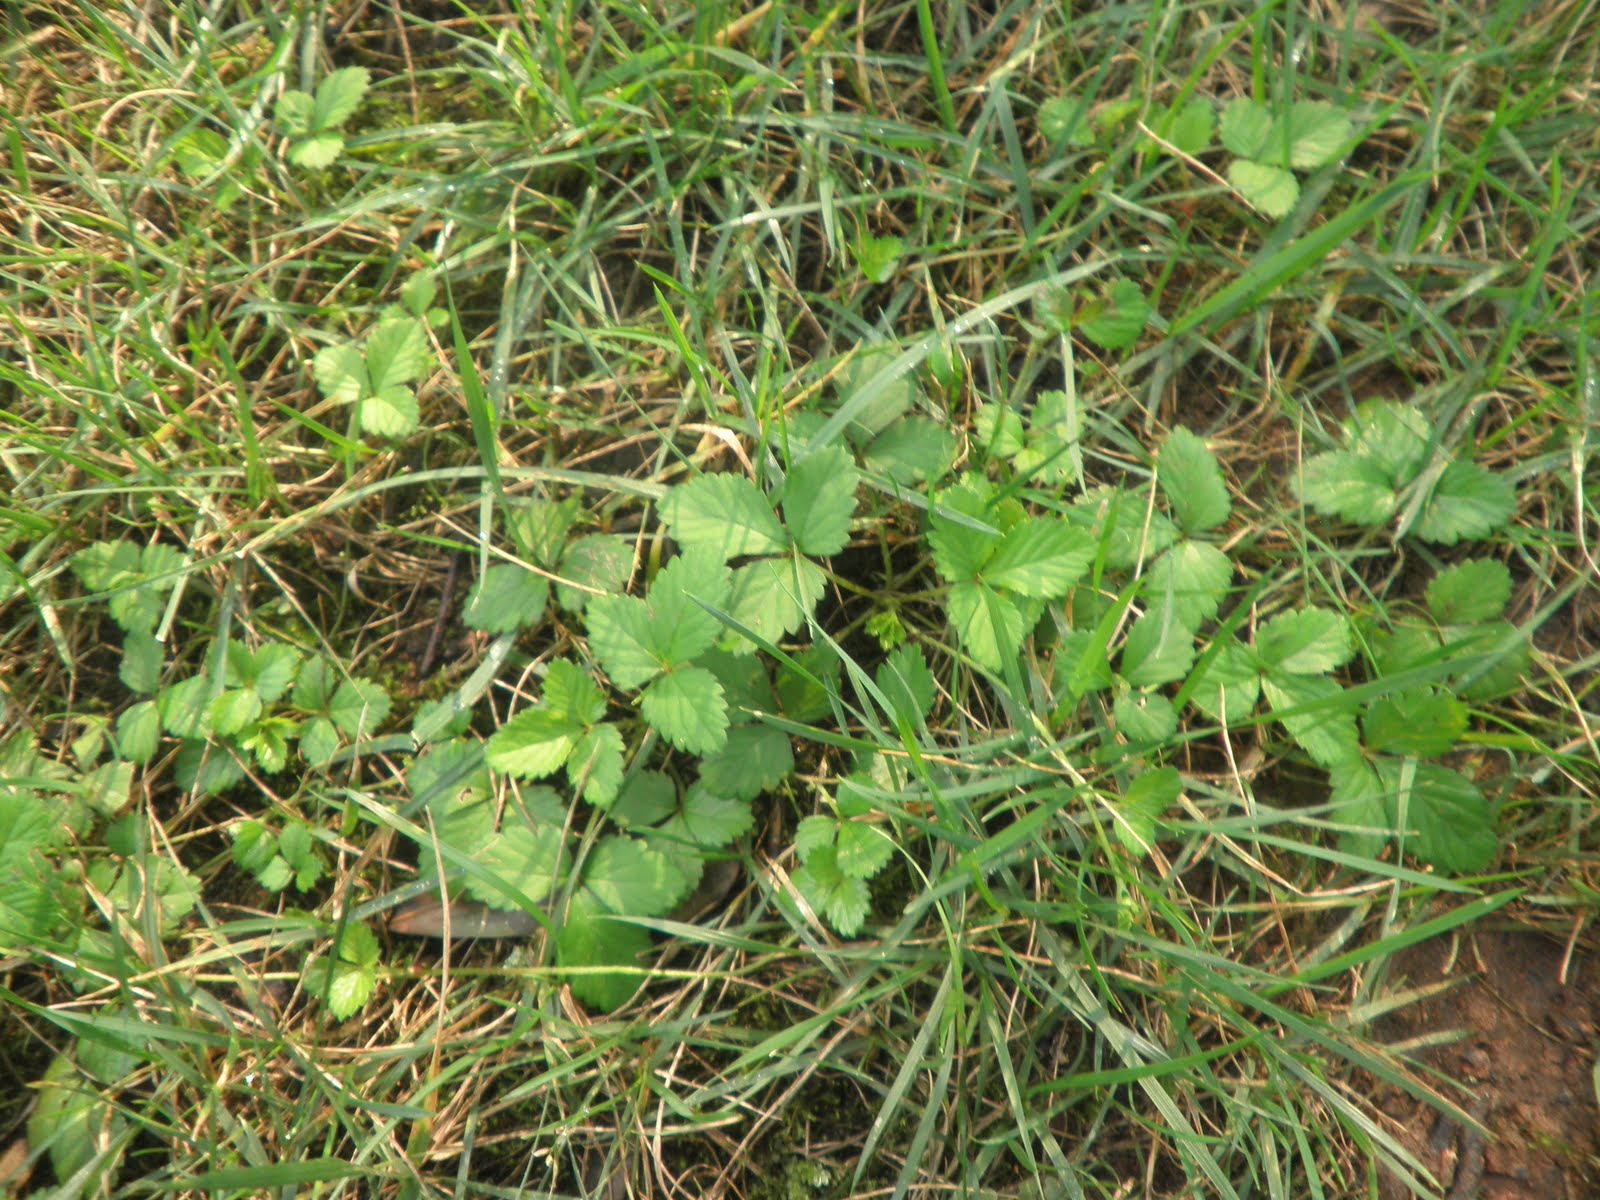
(963, 580)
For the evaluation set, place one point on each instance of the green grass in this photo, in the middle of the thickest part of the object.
(983, 939)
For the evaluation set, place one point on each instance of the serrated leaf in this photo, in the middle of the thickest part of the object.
(1122, 522)
(596, 765)
(1308, 642)
(861, 850)
(539, 528)
(570, 693)
(1416, 721)
(620, 637)
(1065, 117)
(508, 597)
(397, 352)
(1190, 130)
(645, 799)
(269, 742)
(1160, 649)
(960, 550)
(908, 684)
(315, 684)
(886, 401)
(680, 628)
(1271, 191)
(349, 988)
(1116, 322)
(1191, 580)
(1318, 131)
(1317, 714)
(1453, 822)
(1400, 649)
(1346, 485)
(687, 708)
(338, 96)
(600, 562)
(841, 900)
(1145, 716)
(1358, 800)
(711, 821)
(1468, 502)
(745, 687)
(755, 758)
(1394, 436)
(627, 877)
(1192, 481)
(998, 429)
(184, 706)
(316, 151)
(990, 627)
(272, 667)
(254, 846)
(912, 450)
(726, 514)
(590, 938)
(1245, 126)
(525, 857)
(1475, 590)
(773, 597)
(814, 833)
(1140, 808)
(391, 413)
(533, 744)
(293, 112)
(1493, 657)
(141, 663)
(139, 732)
(877, 256)
(358, 706)
(806, 689)
(319, 741)
(1229, 685)
(819, 500)
(1041, 557)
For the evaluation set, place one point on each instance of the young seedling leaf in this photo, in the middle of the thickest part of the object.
(1271, 191)
(316, 151)
(1041, 557)
(1245, 126)
(842, 900)
(1065, 117)
(1192, 481)
(1467, 503)
(508, 597)
(1475, 590)
(1190, 130)
(904, 678)
(338, 96)
(726, 514)
(877, 258)
(397, 352)
(1307, 642)
(1318, 131)
(687, 708)
(861, 850)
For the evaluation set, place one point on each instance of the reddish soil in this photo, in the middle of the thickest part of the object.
(1528, 1017)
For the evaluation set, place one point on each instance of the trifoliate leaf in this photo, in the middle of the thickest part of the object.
(268, 740)
(1190, 580)
(773, 597)
(620, 637)
(1245, 125)
(523, 857)
(1115, 321)
(1468, 502)
(755, 758)
(358, 706)
(1318, 131)
(1053, 453)
(1307, 642)
(710, 821)
(1475, 590)
(507, 598)
(1159, 649)
(1394, 436)
(600, 563)
(1042, 557)
(1140, 808)
(687, 708)
(391, 413)
(1145, 716)
(397, 352)
(726, 514)
(960, 549)
(908, 684)
(1131, 533)
(1453, 823)
(819, 499)
(1317, 714)
(912, 450)
(629, 878)
(842, 900)
(338, 96)
(645, 799)
(1192, 481)
(590, 938)
(533, 744)
(139, 732)
(1416, 721)
(861, 850)
(1346, 485)
(141, 663)
(1271, 191)
(596, 765)
(570, 693)
(991, 627)
(1229, 685)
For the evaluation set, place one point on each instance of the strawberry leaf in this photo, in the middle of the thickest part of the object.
(1192, 481)
(1041, 557)
(726, 514)
(1475, 590)
(1468, 502)
(508, 597)
(819, 498)
(687, 708)
(1308, 642)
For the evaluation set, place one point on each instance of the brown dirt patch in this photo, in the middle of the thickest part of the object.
(1528, 1017)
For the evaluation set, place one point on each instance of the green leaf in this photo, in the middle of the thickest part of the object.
(1065, 117)
(29, 831)
(710, 821)
(1453, 823)
(1192, 481)
(874, 404)
(1041, 557)
(139, 732)
(861, 850)
(1229, 686)
(806, 690)
(819, 499)
(391, 413)
(1191, 580)
(1326, 728)
(1141, 806)
(317, 151)
(991, 628)
(596, 765)
(314, 684)
(508, 597)
(358, 706)
(1400, 649)
(524, 857)
(960, 550)
(1395, 436)
(1159, 649)
(1190, 129)
(645, 799)
(268, 740)
(233, 710)
(840, 899)
(1416, 721)
(1145, 716)
(773, 597)
(319, 741)
(908, 684)
(1307, 642)
(1245, 126)
(1122, 522)
(755, 758)
(570, 693)
(726, 514)
(1358, 800)
(1468, 502)
(629, 878)
(350, 988)
(1493, 657)
(539, 528)
(397, 352)
(1475, 590)
(912, 450)
(141, 663)
(877, 257)
(254, 846)
(1116, 321)
(293, 113)
(74, 1120)
(600, 562)
(338, 96)
(814, 833)
(998, 429)
(533, 744)
(745, 687)
(1348, 486)
(620, 637)
(590, 938)
(1271, 191)
(687, 708)
(680, 628)
(184, 707)
(1318, 131)
(272, 669)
